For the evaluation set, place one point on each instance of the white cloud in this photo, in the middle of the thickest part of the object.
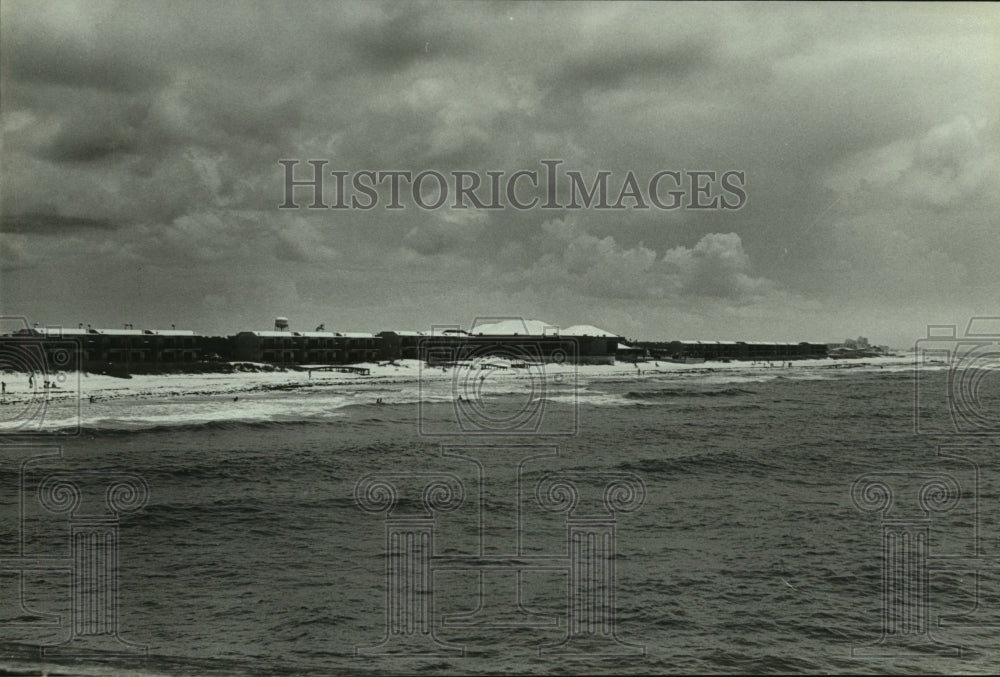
(919, 216)
(715, 267)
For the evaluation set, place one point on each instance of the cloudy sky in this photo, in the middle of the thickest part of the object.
(140, 177)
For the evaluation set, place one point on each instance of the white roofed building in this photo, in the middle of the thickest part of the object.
(736, 350)
(306, 347)
(514, 327)
(519, 339)
(127, 349)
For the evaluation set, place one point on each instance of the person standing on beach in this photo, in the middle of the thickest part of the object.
(3, 387)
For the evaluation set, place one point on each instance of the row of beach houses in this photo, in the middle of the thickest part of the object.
(138, 350)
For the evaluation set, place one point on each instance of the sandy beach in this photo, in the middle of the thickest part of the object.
(386, 375)
(82, 400)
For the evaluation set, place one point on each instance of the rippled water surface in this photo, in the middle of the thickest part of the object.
(747, 554)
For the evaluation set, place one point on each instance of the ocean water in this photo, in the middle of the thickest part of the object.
(729, 542)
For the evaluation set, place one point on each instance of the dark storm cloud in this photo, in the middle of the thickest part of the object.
(406, 35)
(77, 142)
(36, 52)
(609, 69)
(168, 119)
(78, 65)
(50, 224)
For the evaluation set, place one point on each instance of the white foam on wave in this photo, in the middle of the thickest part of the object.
(116, 414)
(597, 399)
(150, 401)
(244, 409)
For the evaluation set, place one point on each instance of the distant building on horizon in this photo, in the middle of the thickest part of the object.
(150, 350)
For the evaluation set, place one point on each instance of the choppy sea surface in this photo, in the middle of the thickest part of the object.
(732, 542)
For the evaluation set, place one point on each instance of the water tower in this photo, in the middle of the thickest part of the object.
(281, 324)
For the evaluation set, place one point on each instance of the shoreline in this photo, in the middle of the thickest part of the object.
(102, 387)
(104, 403)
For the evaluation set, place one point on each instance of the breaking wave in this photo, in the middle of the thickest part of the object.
(686, 392)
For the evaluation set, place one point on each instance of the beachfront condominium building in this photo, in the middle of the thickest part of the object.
(305, 347)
